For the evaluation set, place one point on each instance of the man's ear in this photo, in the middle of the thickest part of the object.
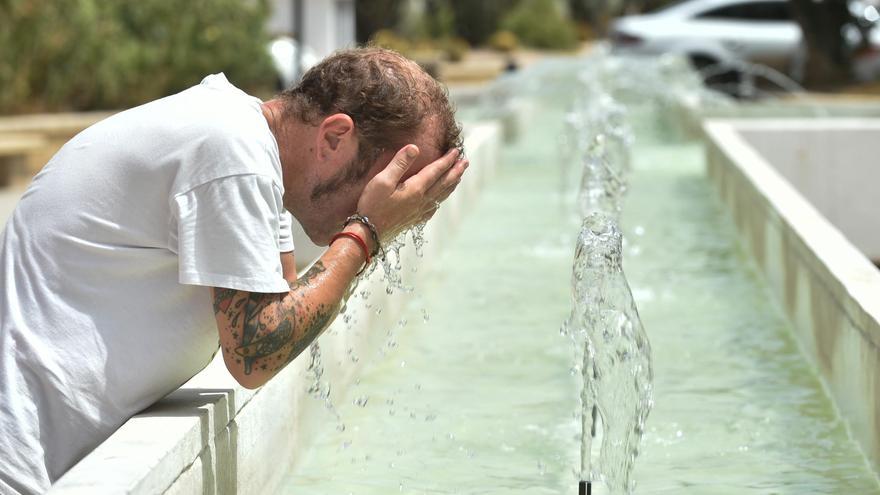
(333, 132)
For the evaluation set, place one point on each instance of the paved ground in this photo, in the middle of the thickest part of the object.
(481, 65)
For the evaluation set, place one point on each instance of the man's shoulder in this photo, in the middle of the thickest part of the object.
(225, 147)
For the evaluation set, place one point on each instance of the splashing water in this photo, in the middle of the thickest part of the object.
(392, 268)
(392, 262)
(617, 355)
(320, 388)
(602, 183)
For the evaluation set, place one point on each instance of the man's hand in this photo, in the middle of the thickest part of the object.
(394, 205)
(261, 333)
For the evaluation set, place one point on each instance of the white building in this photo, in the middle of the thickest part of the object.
(320, 25)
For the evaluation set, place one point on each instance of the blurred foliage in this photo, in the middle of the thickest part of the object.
(452, 25)
(386, 38)
(503, 41)
(475, 21)
(422, 50)
(101, 54)
(455, 49)
(541, 24)
(372, 16)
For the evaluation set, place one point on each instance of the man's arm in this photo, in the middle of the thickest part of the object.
(261, 333)
(288, 266)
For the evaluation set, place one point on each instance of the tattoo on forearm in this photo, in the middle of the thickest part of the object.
(293, 330)
(307, 278)
(222, 299)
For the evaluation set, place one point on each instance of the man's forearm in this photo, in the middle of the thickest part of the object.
(261, 333)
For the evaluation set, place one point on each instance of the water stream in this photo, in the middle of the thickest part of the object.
(617, 357)
(604, 322)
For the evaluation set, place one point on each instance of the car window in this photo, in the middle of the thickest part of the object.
(750, 11)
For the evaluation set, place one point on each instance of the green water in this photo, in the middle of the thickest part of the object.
(479, 399)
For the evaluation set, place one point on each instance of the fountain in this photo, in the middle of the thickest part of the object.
(602, 184)
(604, 322)
(617, 356)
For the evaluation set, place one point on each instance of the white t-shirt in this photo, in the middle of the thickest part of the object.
(106, 264)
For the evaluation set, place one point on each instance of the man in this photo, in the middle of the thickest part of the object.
(111, 261)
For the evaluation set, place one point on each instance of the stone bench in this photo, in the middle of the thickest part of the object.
(15, 150)
(55, 129)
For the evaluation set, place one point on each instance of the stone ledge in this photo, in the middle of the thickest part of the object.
(827, 287)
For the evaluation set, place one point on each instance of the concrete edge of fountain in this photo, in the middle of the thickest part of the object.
(690, 115)
(213, 436)
(825, 285)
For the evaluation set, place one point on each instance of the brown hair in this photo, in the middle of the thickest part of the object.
(388, 96)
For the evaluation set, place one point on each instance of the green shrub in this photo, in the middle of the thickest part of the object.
(476, 20)
(100, 54)
(387, 38)
(503, 41)
(455, 49)
(540, 24)
(375, 15)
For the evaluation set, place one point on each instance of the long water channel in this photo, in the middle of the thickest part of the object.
(477, 393)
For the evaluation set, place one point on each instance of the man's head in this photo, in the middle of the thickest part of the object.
(361, 106)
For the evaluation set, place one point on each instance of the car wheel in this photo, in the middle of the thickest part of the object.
(718, 75)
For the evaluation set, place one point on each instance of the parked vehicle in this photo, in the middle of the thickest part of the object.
(727, 34)
(711, 32)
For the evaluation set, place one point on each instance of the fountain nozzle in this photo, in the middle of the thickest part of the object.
(585, 488)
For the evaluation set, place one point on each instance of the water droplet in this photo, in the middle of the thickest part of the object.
(362, 401)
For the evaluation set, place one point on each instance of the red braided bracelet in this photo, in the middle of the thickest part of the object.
(360, 241)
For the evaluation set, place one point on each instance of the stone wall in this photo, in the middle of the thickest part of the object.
(826, 286)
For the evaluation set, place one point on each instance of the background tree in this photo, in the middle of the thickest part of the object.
(375, 15)
(598, 13)
(828, 52)
(107, 54)
(476, 21)
(541, 24)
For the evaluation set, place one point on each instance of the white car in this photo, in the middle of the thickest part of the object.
(725, 33)
(711, 32)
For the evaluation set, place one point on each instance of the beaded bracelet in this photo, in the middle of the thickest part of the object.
(357, 217)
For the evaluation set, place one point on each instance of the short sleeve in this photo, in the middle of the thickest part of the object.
(285, 233)
(229, 234)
